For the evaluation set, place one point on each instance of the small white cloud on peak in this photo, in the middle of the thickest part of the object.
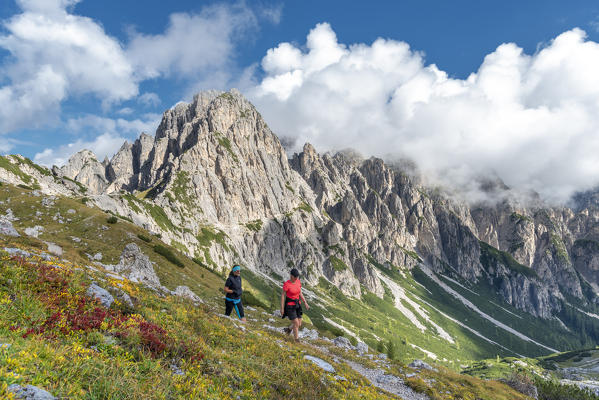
(180, 103)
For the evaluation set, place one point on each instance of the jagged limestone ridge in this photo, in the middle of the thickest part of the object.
(217, 183)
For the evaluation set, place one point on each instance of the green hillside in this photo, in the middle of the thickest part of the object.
(61, 340)
(55, 337)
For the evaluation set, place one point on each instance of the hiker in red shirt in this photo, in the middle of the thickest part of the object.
(290, 303)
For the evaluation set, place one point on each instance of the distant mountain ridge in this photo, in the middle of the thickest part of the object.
(217, 183)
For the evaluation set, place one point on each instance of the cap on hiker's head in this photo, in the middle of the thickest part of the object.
(236, 268)
(294, 272)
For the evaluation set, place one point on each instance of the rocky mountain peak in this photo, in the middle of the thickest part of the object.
(85, 168)
(217, 171)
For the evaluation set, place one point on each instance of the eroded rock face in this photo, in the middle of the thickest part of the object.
(228, 193)
(137, 267)
(84, 167)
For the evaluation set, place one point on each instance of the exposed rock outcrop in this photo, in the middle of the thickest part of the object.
(137, 267)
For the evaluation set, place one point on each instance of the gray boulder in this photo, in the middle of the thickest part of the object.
(362, 348)
(311, 334)
(30, 392)
(419, 364)
(54, 249)
(13, 251)
(137, 267)
(34, 231)
(321, 363)
(102, 295)
(342, 342)
(6, 228)
(124, 297)
(185, 292)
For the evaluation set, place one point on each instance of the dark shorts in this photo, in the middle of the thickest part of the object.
(230, 306)
(293, 312)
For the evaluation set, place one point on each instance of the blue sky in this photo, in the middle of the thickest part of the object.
(94, 73)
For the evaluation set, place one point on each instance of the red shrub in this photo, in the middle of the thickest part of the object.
(153, 337)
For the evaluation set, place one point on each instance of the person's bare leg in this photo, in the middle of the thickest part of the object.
(243, 319)
(296, 323)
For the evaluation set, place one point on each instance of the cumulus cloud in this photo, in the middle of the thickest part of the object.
(105, 145)
(125, 111)
(149, 99)
(54, 55)
(93, 123)
(192, 43)
(531, 120)
(110, 136)
(273, 13)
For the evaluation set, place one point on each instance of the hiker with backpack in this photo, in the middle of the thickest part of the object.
(291, 300)
(233, 293)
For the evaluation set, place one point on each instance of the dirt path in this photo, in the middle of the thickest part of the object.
(387, 382)
(378, 378)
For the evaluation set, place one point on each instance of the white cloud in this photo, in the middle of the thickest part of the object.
(46, 6)
(192, 43)
(125, 111)
(532, 120)
(105, 145)
(53, 55)
(273, 13)
(149, 99)
(111, 134)
(94, 123)
(6, 145)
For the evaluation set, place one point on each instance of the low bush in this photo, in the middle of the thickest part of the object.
(522, 383)
(554, 390)
(144, 238)
(112, 219)
(391, 352)
(168, 254)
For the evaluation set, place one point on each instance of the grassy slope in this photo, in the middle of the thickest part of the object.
(220, 360)
(373, 319)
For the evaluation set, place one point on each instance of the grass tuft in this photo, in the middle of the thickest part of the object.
(168, 254)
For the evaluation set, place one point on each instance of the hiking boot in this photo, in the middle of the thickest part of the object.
(287, 330)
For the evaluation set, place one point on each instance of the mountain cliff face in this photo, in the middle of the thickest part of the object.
(216, 183)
